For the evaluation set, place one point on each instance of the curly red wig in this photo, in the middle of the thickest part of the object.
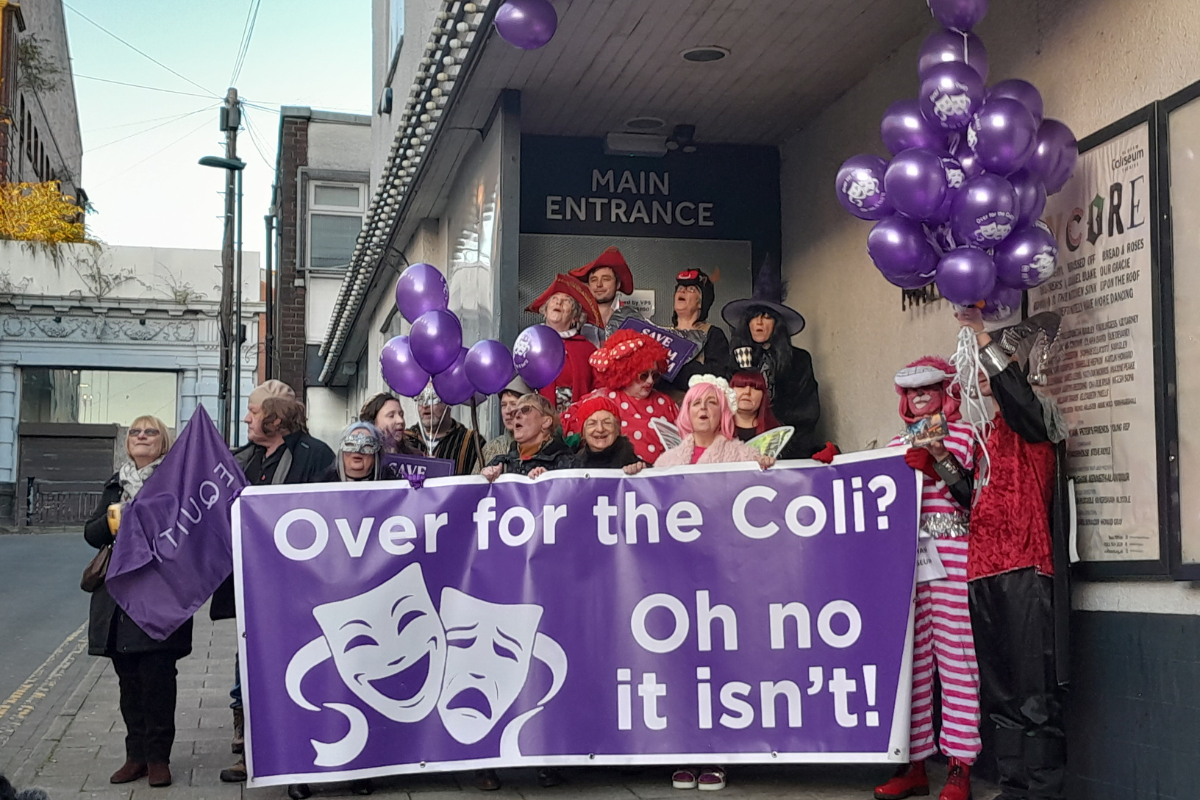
(625, 355)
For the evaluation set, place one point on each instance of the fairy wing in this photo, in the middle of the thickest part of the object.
(668, 434)
(772, 442)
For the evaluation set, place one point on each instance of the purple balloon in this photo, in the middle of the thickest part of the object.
(436, 338)
(400, 370)
(1002, 135)
(915, 182)
(950, 94)
(940, 237)
(489, 366)
(942, 47)
(959, 15)
(539, 355)
(901, 251)
(903, 128)
(527, 24)
(1001, 304)
(860, 187)
(1031, 196)
(965, 276)
(1055, 155)
(955, 178)
(1023, 92)
(1027, 258)
(452, 384)
(421, 288)
(965, 156)
(984, 211)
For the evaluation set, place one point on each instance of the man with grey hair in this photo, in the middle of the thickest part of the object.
(440, 435)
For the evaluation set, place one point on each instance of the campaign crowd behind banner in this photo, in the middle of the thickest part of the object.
(174, 547)
(692, 615)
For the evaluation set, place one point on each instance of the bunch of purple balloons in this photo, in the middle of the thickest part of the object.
(961, 199)
(433, 348)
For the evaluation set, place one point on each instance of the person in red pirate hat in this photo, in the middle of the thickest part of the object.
(606, 276)
(626, 369)
(567, 306)
(942, 447)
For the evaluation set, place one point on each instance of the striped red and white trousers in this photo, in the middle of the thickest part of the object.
(942, 640)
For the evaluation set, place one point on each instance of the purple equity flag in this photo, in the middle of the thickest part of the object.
(173, 548)
(679, 349)
(691, 615)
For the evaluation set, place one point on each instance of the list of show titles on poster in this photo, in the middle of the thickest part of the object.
(1104, 377)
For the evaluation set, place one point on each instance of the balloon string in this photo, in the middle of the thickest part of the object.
(974, 406)
(966, 48)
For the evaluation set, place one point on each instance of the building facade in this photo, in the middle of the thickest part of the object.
(40, 140)
(321, 191)
(494, 164)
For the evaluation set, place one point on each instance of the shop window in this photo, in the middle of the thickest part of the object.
(97, 396)
(335, 217)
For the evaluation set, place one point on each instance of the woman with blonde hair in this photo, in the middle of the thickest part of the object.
(145, 667)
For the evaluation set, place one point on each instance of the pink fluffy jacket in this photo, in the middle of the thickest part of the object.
(721, 451)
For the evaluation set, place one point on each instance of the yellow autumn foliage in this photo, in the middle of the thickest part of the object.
(39, 212)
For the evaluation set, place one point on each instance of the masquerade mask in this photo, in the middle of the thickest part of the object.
(361, 441)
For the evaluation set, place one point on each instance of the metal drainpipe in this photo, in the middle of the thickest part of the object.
(269, 338)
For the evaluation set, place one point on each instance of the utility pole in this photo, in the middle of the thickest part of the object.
(230, 120)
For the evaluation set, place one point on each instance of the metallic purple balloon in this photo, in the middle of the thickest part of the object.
(1027, 258)
(955, 178)
(965, 156)
(1023, 92)
(941, 47)
(860, 187)
(1002, 135)
(452, 384)
(903, 127)
(959, 15)
(1031, 196)
(984, 211)
(901, 251)
(965, 276)
(1001, 304)
(527, 24)
(539, 355)
(915, 182)
(950, 94)
(435, 339)
(489, 366)
(1055, 154)
(400, 370)
(421, 288)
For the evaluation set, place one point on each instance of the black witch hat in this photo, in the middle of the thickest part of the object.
(768, 293)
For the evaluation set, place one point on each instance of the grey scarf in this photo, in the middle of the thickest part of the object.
(132, 478)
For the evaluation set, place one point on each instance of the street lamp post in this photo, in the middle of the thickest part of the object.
(236, 166)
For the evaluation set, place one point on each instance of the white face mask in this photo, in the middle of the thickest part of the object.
(490, 647)
(389, 646)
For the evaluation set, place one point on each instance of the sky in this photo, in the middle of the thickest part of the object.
(141, 146)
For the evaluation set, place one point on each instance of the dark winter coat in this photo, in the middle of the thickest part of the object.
(617, 455)
(305, 461)
(110, 630)
(794, 400)
(554, 454)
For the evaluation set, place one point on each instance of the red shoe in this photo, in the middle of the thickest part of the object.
(958, 782)
(909, 781)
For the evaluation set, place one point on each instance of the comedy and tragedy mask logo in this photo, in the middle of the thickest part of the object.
(403, 659)
(947, 105)
(993, 231)
(862, 189)
(1042, 266)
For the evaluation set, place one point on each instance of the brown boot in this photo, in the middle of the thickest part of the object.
(131, 771)
(239, 731)
(160, 774)
(236, 773)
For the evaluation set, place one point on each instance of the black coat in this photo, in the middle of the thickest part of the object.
(795, 401)
(110, 630)
(714, 359)
(1022, 411)
(617, 455)
(310, 459)
(554, 454)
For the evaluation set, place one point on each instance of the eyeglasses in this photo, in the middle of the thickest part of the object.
(651, 375)
(136, 432)
(523, 410)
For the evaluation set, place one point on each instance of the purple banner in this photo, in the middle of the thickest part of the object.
(398, 466)
(690, 615)
(173, 548)
(679, 349)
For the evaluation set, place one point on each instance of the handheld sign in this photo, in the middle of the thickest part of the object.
(679, 350)
(396, 466)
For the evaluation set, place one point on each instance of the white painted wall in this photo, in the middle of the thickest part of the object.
(339, 145)
(1094, 61)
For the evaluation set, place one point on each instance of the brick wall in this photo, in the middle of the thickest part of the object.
(291, 297)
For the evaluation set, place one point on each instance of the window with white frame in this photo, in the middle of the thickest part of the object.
(335, 213)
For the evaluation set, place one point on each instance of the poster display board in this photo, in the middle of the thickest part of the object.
(1105, 382)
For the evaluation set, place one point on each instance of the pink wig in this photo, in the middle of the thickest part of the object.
(950, 398)
(701, 390)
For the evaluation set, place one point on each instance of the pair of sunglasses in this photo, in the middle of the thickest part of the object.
(136, 432)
